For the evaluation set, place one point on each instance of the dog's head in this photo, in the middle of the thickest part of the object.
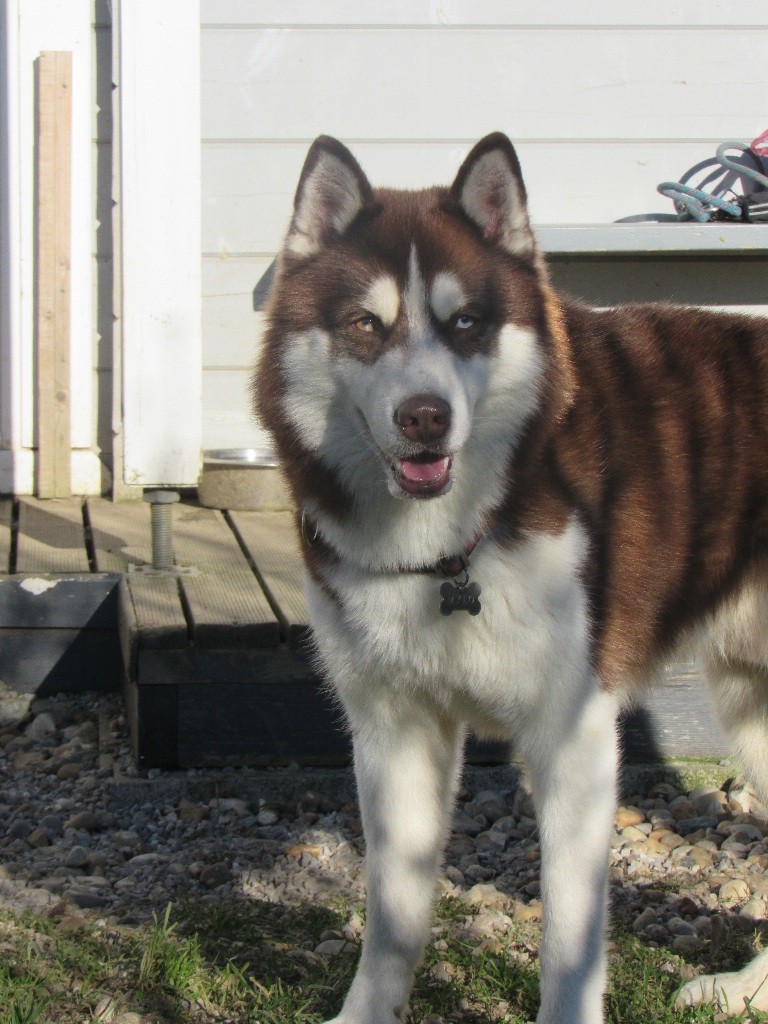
(411, 335)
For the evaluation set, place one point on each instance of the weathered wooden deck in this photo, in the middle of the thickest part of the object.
(215, 660)
(214, 664)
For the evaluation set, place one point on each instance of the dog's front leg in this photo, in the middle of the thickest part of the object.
(406, 764)
(572, 757)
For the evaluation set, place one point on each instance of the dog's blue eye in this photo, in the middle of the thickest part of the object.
(464, 322)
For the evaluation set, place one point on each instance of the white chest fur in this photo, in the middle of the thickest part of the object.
(387, 638)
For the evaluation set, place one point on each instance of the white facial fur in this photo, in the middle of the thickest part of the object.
(383, 299)
(344, 412)
(447, 295)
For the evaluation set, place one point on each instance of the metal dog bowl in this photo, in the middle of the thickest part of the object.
(243, 479)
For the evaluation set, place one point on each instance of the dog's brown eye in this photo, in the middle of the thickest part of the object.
(369, 324)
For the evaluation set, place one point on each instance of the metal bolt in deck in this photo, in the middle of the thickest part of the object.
(162, 503)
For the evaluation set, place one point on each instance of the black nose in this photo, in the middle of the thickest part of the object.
(423, 418)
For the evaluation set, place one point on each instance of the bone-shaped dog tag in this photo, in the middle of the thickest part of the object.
(457, 598)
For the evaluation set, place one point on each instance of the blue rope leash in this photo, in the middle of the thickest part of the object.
(696, 204)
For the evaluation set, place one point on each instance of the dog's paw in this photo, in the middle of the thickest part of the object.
(732, 992)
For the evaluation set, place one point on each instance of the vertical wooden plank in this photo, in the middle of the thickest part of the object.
(6, 514)
(53, 254)
(157, 102)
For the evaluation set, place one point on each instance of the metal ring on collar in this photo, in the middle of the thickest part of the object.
(307, 537)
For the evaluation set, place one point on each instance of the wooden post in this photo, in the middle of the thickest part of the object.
(52, 279)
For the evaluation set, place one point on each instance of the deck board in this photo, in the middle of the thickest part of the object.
(6, 514)
(157, 612)
(226, 604)
(225, 601)
(51, 536)
(229, 609)
(270, 539)
(202, 538)
(121, 534)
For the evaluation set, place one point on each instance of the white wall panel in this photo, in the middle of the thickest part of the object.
(555, 13)
(559, 84)
(231, 327)
(229, 421)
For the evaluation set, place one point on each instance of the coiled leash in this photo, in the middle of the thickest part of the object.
(751, 208)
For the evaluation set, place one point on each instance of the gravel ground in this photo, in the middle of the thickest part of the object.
(80, 828)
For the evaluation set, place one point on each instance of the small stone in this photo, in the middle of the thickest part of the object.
(677, 926)
(233, 805)
(38, 838)
(687, 907)
(19, 830)
(478, 873)
(657, 932)
(76, 858)
(491, 841)
(215, 875)
(681, 808)
(488, 923)
(633, 833)
(527, 911)
(754, 909)
(267, 817)
(671, 841)
(454, 876)
(465, 826)
(85, 821)
(687, 945)
(645, 918)
(444, 971)
(42, 725)
(191, 814)
(703, 926)
(626, 816)
(69, 771)
(14, 707)
(687, 826)
(95, 862)
(298, 850)
(53, 825)
(485, 895)
(104, 1011)
(87, 899)
(734, 891)
(335, 947)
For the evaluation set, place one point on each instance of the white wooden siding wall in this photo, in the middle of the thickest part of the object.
(27, 30)
(157, 56)
(603, 99)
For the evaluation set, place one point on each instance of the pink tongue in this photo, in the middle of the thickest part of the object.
(424, 472)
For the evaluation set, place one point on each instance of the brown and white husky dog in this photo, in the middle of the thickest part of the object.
(511, 506)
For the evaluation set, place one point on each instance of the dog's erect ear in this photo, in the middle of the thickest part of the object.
(489, 189)
(332, 191)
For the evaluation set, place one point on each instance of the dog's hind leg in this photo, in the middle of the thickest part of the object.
(406, 762)
(572, 759)
(740, 689)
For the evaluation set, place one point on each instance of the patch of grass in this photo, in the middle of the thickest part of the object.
(254, 963)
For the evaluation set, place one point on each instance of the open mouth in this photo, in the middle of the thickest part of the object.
(423, 476)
